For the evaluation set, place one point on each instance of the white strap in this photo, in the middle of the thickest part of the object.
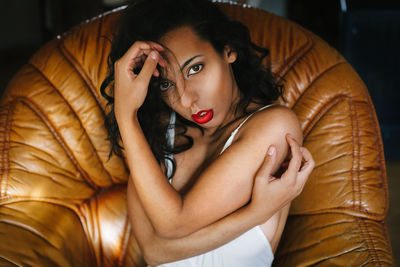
(170, 136)
(233, 134)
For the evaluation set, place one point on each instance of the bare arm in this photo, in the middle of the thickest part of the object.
(158, 250)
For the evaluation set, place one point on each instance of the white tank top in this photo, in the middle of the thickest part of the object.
(250, 249)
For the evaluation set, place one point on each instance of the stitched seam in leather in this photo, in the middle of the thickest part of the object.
(387, 238)
(79, 70)
(326, 258)
(73, 61)
(50, 200)
(84, 222)
(321, 112)
(294, 58)
(98, 36)
(26, 227)
(58, 138)
(10, 261)
(353, 156)
(356, 151)
(358, 169)
(379, 147)
(98, 226)
(5, 163)
(360, 214)
(316, 78)
(369, 241)
(124, 242)
(78, 119)
(358, 156)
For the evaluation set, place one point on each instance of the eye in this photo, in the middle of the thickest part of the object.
(195, 69)
(165, 84)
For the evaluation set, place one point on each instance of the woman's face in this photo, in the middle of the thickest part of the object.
(199, 83)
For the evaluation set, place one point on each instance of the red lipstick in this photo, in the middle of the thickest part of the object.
(203, 116)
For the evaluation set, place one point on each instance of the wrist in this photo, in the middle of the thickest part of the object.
(127, 125)
(261, 212)
(125, 117)
(254, 214)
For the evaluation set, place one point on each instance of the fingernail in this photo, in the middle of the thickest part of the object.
(271, 150)
(153, 55)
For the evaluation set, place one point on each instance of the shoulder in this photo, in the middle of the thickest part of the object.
(272, 123)
(275, 113)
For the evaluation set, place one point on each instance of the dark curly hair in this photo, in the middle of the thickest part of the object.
(150, 20)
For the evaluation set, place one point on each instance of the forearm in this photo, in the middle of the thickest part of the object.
(158, 250)
(161, 202)
(202, 241)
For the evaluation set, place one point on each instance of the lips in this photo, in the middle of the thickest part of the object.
(203, 116)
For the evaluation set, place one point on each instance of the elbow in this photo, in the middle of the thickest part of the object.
(173, 227)
(150, 257)
(158, 252)
(152, 254)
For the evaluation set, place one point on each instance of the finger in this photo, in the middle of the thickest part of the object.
(141, 57)
(159, 48)
(140, 50)
(271, 179)
(268, 163)
(138, 62)
(135, 64)
(308, 158)
(295, 162)
(306, 170)
(308, 164)
(148, 68)
(156, 46)
(136, 50)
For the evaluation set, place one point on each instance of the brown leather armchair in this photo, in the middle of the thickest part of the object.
(63, 203)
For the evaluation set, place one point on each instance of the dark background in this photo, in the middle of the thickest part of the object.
(366, 32)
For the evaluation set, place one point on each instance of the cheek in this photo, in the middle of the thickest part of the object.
(224, 83)
(215, 82)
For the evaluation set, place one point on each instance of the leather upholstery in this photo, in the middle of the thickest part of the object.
(62, 202)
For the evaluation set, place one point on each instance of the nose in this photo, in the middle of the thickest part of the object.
(188, 96)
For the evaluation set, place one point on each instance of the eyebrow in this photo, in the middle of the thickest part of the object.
(188, 61)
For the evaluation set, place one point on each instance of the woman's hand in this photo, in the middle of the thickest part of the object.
(270, 190)
(130, 88)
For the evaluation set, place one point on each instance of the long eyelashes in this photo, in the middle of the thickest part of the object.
(165, 85)
(195, 69)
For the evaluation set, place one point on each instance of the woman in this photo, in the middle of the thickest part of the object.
(191, 102)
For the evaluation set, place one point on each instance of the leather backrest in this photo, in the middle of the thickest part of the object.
(59, 191)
